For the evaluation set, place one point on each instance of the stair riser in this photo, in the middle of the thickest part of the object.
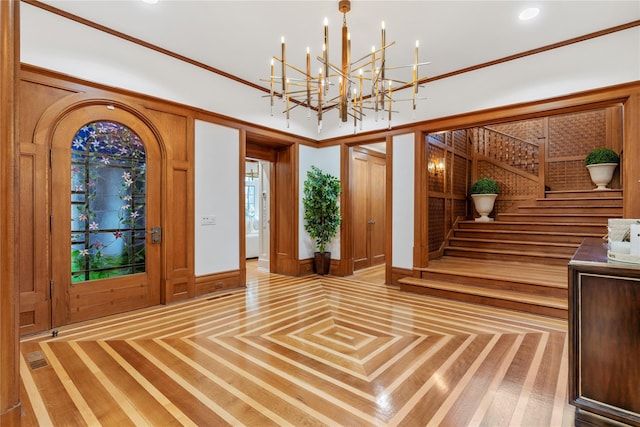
(492, 283)
(568, 211)
(588, 219)
(527, 237)
(596, 229)
(508, 257)
(493, 302)
(513, 246)
(579, 202)
(582, 194)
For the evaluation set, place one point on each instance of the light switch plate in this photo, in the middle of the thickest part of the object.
(208, 220)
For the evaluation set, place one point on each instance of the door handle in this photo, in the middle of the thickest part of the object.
(371, 221)
(156, 234)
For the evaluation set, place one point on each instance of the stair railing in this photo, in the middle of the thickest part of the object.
(507, 149)
(522, 163)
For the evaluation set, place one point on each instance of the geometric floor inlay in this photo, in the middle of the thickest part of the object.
(303, 351)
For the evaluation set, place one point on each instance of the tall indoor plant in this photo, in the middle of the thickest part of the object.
(601, 164)
(321, 213)
(484, 192)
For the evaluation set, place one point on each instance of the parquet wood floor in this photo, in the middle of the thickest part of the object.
(309, 351)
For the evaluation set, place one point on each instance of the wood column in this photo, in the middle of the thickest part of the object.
(629, 166)
(421, 206)
(9, 303)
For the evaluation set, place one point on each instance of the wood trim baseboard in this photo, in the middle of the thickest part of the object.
(218, 281)
(398, 273)
(305, 267)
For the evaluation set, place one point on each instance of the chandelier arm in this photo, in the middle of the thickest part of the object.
(304, 73)
(397, 67)
(350, 99)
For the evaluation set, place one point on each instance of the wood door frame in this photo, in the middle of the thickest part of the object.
(283, 252)
(346, 267)
(370, 157)
(45, 133)
(264, 156)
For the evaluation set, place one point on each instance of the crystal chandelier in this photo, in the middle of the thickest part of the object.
(343, 87)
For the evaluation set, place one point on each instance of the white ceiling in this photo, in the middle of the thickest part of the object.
(240, 37)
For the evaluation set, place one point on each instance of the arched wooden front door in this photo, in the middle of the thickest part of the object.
(105, 215)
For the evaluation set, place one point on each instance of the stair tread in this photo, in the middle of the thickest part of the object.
(521, 297)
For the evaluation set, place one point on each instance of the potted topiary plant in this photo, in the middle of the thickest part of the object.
(601, 163)
(484, 192)
(321, 214)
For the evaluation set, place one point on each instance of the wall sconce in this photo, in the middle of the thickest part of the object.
(436, 167)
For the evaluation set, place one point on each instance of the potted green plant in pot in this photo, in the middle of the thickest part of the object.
(484, 192)
(321, 213)
(601, 164)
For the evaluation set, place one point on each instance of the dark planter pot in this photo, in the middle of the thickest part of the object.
(322, 262)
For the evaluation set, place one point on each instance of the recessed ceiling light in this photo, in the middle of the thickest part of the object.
(529, 13)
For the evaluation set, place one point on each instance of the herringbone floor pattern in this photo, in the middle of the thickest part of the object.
(309, 351)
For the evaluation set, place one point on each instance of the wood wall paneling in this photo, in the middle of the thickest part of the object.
(447, 189)
(257, 151)
(35, 98)
(33, 237)
(345, 268)
(179, 272)
(33, 189)
(377, 209)
(176, 131)
(630, 156)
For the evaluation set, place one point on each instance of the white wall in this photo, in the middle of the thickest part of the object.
(402, 207)
(327, 159)
(217, 171)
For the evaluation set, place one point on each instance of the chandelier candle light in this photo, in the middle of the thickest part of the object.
(314, 92)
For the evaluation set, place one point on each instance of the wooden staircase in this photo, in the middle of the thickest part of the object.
(519, 261)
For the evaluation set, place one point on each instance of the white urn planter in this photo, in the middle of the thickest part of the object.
(484, 205)
(601, 174)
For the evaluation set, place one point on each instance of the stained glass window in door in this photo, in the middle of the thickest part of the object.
(108, 202)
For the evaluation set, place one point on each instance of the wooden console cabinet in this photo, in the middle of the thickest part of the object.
(604, 338)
